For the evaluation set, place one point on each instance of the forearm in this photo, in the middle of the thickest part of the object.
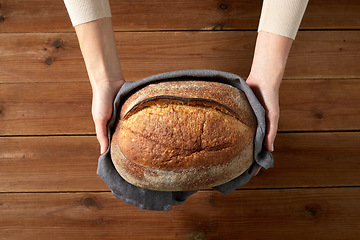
(278, 26)
(98, 47)
(270, 57)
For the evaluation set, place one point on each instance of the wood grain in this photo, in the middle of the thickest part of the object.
(32, 57)
(332, 213)
(64, 163)
(57, 57)
(48, 150)
(34, 16)
(45, 109)
(312, 160)
(65, 108)
(68, 163)
(142, 15)
(323, 54)
(320, 105)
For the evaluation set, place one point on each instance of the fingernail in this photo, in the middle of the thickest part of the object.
(101, 150)
(257, 170)
(272, 147)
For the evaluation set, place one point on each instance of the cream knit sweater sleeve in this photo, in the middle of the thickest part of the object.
(82, 11)
(281, 17)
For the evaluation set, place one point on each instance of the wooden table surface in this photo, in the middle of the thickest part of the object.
(48, 150)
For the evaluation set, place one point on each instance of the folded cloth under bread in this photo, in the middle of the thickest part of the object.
(163, 200)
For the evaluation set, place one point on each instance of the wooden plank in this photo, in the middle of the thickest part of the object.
(64, 108)
(34, 164)
(313, 105)
(142, 54)
(41, 58)
(312, 160)
(328, 54)
(45, 109)
(331, 214)
(57, 57)
(34, 16)
(333, 14)
(65, 163)
(142, 15)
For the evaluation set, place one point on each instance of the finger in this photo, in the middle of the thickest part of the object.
(101, 134)
(272, 126)
(257, 171)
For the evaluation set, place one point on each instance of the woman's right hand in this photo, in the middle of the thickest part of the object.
(267, 70)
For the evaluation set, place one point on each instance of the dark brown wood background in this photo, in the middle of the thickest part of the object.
(48, 150)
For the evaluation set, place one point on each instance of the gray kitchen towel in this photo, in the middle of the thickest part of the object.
(163, 200)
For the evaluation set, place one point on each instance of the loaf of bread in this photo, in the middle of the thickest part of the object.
(183, 135)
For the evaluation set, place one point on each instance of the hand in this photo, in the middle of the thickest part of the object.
(102, 107)
(269, 98)
(98, 46)
(267, 70)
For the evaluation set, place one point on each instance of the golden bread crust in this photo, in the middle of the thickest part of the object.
(184, 135)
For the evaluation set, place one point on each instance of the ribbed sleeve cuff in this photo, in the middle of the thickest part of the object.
(82, 11)
(282, 17)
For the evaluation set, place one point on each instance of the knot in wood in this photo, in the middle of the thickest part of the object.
(223, 6)
(49, 61)
(218, 27)
(99, 222)
(199, 236)
(58, 43)
(2, 18)
(313, 210)
(88, 202)
(318, 114)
